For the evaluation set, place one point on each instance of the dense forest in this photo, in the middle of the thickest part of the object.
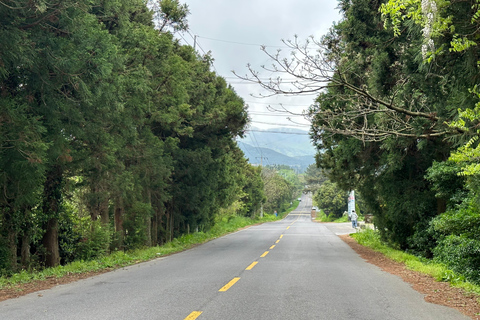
(113, 135)
(397, 118)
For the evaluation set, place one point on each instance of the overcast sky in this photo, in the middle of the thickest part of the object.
(234, 30)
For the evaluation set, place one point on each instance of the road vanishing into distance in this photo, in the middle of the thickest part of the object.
(288, 269)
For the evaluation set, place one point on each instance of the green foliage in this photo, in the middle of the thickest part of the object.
(136, 228)
(71, 232)
(439, 271)
(95, 241)
(314, 178)
(331, 199)
(109, 123)
(464, 220)
(388, 171)
(279, 192)
(461, 254)
(446, 182)
(172, 13)
(468, 155)
(120, 259)
(322, 217)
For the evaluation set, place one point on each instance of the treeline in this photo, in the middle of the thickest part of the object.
(281, 185)
(400, 121)
(397, 118)
(112, 134)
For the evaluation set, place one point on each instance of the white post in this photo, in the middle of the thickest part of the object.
(351, 203)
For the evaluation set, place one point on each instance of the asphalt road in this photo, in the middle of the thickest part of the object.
(289, 269)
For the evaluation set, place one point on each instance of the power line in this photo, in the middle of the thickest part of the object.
(282, 132)
(259, 148)
(274, 115)
(185, 40)
(288, 125)
(280, 104)
(250, 155)
(243, 43)
(256, 83)
(196, 43)
(252, 44)
(266, 79)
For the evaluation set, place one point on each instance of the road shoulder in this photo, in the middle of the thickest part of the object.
(435, 292)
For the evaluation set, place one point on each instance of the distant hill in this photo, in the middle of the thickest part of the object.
(285, 146)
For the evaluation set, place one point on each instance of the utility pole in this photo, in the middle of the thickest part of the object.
(261, 159)
(261, 166)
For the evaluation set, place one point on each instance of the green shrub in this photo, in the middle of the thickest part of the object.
(95, 240)
(464, 220)
(135, 225)
(462, 255)
(70, 233)
(423, 241)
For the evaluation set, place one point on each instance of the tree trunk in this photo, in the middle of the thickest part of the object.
(104, 212)
(25, 251)
(97, 203)
(118, 218)
(50, 242)
(441, 206)
(168, 227)
(148, 220)
(155, 230)
(52, 198)
(12, 236)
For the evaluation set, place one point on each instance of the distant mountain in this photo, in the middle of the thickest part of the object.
(285, 146)
(287, 141)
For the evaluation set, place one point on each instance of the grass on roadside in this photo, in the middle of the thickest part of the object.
(121, 259)
(322, 217)
(440, 272)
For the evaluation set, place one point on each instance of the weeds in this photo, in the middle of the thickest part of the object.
(440, 272)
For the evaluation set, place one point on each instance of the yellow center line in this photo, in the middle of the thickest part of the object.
(272, 247)
(194, 315)
(264, 254)
(229, 285)
(288, 227)
(277, 241)
(250, 267)
(281, 236)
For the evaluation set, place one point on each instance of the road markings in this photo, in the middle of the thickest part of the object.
(194, 315)
(272, 247)
(229, 285)
(250, 267)
(264, 254)
(277, 241)
(281, 236)
(288, 227)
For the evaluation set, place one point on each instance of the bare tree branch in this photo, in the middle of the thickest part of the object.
(315, 70)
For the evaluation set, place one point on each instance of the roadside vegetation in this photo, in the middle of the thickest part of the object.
(322, 217)
(434, 268)
(118, 259)
(116, 137)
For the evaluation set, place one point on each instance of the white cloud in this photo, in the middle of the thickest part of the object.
(221, 25)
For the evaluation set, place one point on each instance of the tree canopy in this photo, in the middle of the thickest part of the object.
(113, 135)
(396, 115)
